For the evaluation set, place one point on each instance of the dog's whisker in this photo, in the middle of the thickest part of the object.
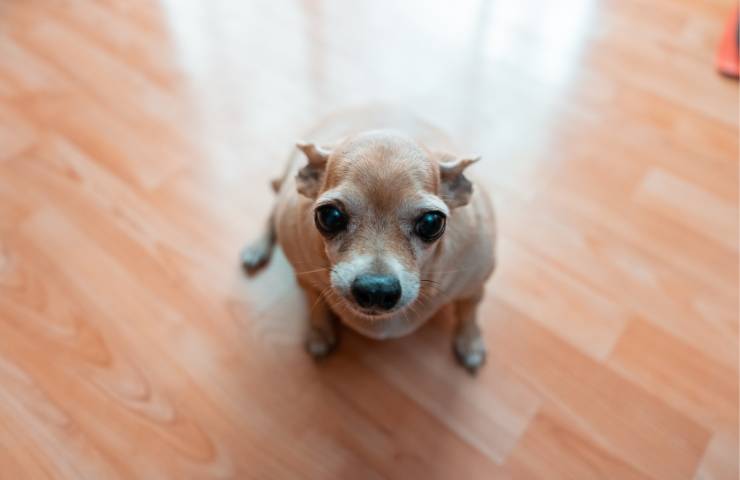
(442, 272)
(424, 296)
(414, 310)
(312, 271)
(405, 315)
(462, 269)
(309, 265)
(434, 288)
(430, 285)
(337, 273)
(321, 295)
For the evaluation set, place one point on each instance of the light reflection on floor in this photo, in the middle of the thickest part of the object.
(468, 66)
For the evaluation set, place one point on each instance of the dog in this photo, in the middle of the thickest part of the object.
(383, 230)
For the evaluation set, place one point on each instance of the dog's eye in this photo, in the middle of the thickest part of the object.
(430, 226)
(330, 220)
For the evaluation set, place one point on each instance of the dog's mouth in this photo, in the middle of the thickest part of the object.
(374, 312)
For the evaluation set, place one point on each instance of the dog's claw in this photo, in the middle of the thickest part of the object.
(471, 355)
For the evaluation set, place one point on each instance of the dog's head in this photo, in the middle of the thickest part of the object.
(381, 203)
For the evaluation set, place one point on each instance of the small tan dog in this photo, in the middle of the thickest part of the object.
(383, 230)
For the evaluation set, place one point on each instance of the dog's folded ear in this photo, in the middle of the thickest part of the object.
(454, 188)
(310, 177)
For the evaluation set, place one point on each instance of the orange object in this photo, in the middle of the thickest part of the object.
(728, 62)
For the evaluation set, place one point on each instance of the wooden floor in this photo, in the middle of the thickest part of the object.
(136, 144)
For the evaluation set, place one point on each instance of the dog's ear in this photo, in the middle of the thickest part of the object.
(310, 177)
(454, 188)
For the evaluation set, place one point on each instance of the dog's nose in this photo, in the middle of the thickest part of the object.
(376, 291)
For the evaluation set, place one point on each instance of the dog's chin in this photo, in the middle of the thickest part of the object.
(371, 313)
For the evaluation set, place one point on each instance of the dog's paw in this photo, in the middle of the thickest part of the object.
(470, 352)
(256, 256)
(320, 343)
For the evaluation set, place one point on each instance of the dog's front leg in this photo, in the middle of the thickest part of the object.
(257, 254)
(322, 335)
(470, 350)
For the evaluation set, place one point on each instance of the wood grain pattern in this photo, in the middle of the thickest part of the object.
(137, 140)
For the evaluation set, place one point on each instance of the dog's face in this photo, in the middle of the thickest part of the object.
(381, 206)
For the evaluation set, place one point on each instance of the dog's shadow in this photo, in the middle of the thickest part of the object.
(392, 397)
